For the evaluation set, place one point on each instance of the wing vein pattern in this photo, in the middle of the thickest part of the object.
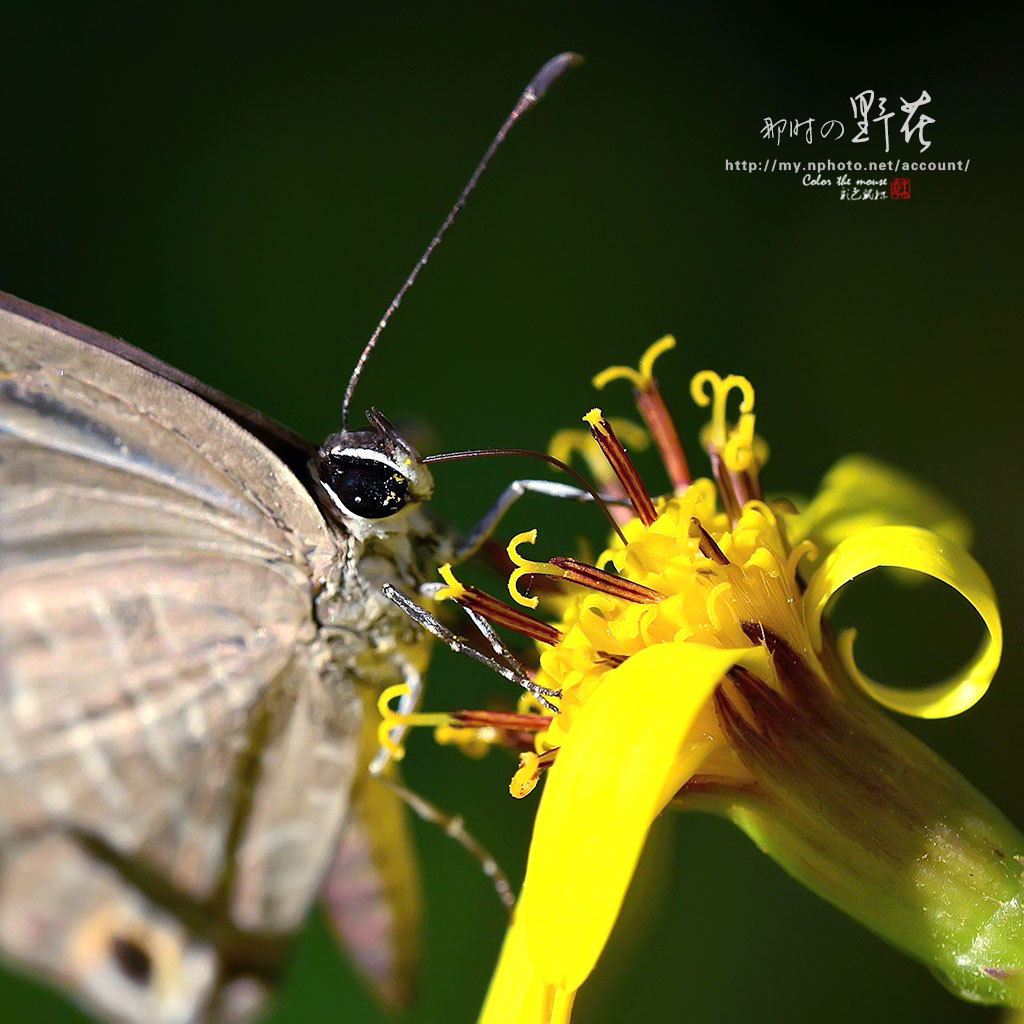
(165, 694)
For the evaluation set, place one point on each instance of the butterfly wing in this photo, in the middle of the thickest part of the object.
(176, 752)
(292, 448)
(371, 894)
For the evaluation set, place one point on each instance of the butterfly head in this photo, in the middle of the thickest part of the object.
(371, 479)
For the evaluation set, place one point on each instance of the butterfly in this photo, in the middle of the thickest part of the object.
(194, 628)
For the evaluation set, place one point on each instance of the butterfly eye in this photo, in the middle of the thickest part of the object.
(131, 959)
(365, 487)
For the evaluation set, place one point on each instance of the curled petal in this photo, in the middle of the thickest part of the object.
(910, 547)
(860, 492)
(629, 750)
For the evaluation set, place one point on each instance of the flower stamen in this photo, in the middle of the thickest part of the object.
(496, 611)
(606, 582)
(572, 441)
(622, 466)
(800, 683)
(736, 453)
(531, 767)
(652, 408)
(507, 721)
(476, 732)
(736, 443)
(708, 546)
(527, 567)
(736, 487)
(391, 719)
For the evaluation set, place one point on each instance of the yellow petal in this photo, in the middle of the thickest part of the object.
(627, 752)
(909, 547)
(859, 492)
(517, 995)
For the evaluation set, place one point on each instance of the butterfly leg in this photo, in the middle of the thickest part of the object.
(452, 825)
(508, 667)
(508, 497)
(409, 702)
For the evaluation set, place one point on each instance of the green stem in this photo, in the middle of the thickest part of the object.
(864, 814)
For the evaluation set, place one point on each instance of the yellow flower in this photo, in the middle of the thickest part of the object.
(692, 666)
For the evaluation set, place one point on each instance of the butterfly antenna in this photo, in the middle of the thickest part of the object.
(453, 826)
(539, 85)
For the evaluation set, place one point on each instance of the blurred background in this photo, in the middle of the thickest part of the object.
(241, 190)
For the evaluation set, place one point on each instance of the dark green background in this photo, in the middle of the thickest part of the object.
(240, 192)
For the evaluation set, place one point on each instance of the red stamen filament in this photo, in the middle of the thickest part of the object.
(708, 547)
(622, 466)
(726, 488)
(547, 759)
(735, 487)
(606, 582)
(659, 421)
(543, 762)
(505, 615)
(505, 720)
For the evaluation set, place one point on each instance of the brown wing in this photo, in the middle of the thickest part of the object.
(372, 892)
(173, 744)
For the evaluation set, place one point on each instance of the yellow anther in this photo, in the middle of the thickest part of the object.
(524, 567)
(736, 443)
(805, 549)
(594, 418)
(644, 376)
(526, 776)
(454, 590)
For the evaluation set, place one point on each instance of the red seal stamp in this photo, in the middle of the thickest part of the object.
(899, 188)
